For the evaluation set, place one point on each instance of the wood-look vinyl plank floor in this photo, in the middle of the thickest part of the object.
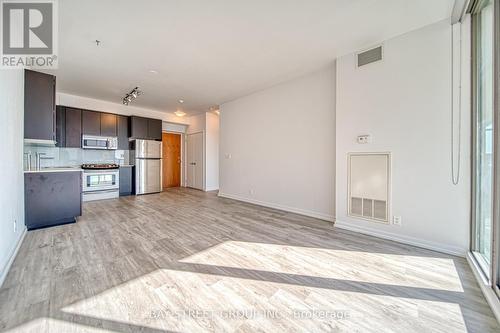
(189, 261)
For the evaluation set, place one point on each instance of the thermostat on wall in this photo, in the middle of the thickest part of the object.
(363, 139)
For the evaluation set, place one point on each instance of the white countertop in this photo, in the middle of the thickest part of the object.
(62, 169)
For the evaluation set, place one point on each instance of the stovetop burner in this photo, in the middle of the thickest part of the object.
(102, 166)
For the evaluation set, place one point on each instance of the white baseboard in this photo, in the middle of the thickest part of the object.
(488, 292)
(304, 212)
(210, 189)
(6, 269)
(453, 250)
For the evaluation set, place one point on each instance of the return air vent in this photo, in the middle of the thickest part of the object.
(369, 186)
(372, 55)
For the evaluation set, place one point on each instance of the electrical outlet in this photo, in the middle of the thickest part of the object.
(396, 220)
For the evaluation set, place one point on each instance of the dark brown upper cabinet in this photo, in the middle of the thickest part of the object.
(39, 106)
(154, 129)
(123, 132)
(108, 124)
(145, 128)
(138, 127)
(60, 126)
(73, 124)
(91, 122)
(69, 127)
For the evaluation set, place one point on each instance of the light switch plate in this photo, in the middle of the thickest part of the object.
(363, 139)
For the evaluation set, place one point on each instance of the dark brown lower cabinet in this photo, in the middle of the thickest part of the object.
(52, 198)
(126, 181)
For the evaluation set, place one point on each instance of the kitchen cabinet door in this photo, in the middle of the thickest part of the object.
(126, 180)
(52, 198)
(39, 106)
(108, 124)
(60, 126)
(91, 122)
(123, 132)
(154, 129)
(73, 124)
(139, 127)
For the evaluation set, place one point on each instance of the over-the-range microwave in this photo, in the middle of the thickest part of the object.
(99, 142)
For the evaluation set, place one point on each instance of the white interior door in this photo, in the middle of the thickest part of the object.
(195, 160)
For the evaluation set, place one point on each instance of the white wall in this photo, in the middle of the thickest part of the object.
(11, 166)
(196, 123)
(171, 127)
(212, 152)
(118, 108)
(208, 124)
(403, 102)
(277, 146)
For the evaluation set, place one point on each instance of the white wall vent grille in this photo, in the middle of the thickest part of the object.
(369, 186)
(369, 56)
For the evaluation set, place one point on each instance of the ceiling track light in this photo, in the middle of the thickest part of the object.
(131, 96)
(215, 109)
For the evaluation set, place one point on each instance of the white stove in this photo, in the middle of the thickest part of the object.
(100, 181)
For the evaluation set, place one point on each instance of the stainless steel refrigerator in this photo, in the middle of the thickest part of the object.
(148, 166)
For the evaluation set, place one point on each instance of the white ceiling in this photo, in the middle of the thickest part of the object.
(210, 52)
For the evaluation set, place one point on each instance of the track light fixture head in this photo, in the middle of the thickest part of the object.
(131, 96)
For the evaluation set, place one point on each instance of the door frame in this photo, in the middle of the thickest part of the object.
(203, 158)
(183, 159)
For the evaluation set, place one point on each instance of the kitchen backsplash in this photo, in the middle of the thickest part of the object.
(63, 157)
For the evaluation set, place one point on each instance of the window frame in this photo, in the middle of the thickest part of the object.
(491, 273)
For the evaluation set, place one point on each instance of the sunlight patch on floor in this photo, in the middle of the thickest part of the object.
(399, 270)
(190, 302)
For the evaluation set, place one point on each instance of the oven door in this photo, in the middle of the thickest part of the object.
(100, 181)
